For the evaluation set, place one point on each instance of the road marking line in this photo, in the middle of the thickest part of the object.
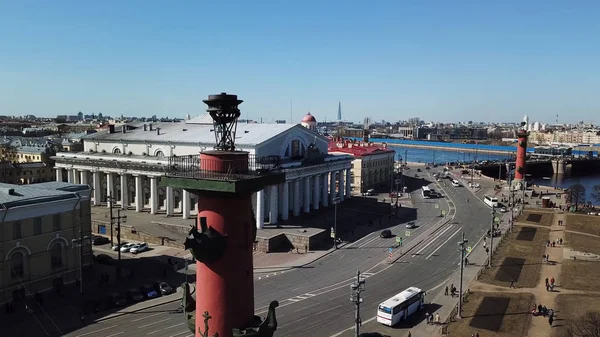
(181, 333)
(145, 317)
(366, 243)
(116, 334)
(302, 297)
(99, 330)
(433, 240)
(443, 243)
(167, 328)
(293, 299)
(309, 294)
(149, 324)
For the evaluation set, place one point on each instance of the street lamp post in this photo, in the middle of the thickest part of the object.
(460, 285)
(357, 288)
(80, 243)
(336, 201)
(493, 214)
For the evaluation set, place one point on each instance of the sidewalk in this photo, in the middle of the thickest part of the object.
(478, 259)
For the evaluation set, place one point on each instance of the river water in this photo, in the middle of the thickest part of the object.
(416, 155)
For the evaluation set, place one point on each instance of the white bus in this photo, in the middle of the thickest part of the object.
(401, 306)
(490, 201)
(425, 192)
(455, 183)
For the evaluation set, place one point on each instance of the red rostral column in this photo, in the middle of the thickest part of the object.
(223, 240)
(521, 159)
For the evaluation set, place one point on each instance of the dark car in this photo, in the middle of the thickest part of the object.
(134, 295)
(103, 259)
(165, 288)
(149, 291)
(99, 240)
(386, 233)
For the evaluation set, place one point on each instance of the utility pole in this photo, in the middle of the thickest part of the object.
(110, 200)
(119, 218)
(460, 285)
(493, 213)
(357, 288)
(336, 201)
(80, 243)
(405, 156)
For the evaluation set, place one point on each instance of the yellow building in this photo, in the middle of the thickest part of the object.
(24, 154)
(39, 232)
(372, 167)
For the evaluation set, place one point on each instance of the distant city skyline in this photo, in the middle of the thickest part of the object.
(460, 61)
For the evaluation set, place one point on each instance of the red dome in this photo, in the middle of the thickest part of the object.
(309, 118)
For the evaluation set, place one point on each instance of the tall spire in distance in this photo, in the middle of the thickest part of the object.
(339, 116)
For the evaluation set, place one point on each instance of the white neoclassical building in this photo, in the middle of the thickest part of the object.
(127, 163)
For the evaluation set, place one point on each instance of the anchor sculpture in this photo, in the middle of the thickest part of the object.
(207, 245)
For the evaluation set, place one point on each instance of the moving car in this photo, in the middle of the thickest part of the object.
(99, 240)
(386, 233)
(138, 248)
(411, 225)
(103, 259)
(127, 247)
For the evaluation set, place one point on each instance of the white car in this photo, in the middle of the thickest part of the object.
(116, 247)
(127, 247)
(138, 248)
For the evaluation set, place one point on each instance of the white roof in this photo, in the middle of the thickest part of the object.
(401, 297)
(248, 135)
(201, 119)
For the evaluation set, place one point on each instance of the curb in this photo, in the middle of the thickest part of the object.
(119, 314)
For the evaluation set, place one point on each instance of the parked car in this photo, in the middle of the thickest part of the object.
(138, 248)
(148, 291)
(134, 295)
(165, 288)
(386, 233)
(127, 247)
(116, 247)
(99, 240)
(411, 225)
(103, 259)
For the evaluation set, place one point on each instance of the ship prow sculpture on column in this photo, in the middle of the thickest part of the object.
(222, 239)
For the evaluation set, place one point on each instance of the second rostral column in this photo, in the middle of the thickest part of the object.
(224, 180)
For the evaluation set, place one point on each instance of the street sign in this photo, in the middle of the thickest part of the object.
(391, 252)
(469, 249)
(443, 212)
(333, 235)
(407, 233)
(496, 219)
(437, 206)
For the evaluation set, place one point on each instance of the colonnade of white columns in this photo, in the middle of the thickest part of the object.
(300, 195)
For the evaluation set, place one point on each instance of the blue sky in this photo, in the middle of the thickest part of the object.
(442, 60)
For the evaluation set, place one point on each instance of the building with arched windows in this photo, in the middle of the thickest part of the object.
(40, 233)
(128, 163)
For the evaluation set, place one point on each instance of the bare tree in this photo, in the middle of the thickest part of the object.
(587, 325)
(596, 193)
(576, 195)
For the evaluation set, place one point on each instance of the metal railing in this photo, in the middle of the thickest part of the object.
(115, 164)
(192, 167)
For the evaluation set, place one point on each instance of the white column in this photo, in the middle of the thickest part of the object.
(75, 176)
(285, 201)
(348, 183)
(316, 191)
(109, 188)
(170, 202)
(185, 204)
(124, 190)
(332, 186)
(341, 184)
(325, 189)
(306, 195)
(296, 197)
(273, 207)
(139, 194)
(84, 177)
(69, 176)
(153, 196)
(59, 174)
(260, 216)
(97, 192)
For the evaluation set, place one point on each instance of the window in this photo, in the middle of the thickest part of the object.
(159, 153)
(295, 148)
(17, 268)
(56, 222)
(117, 151)
(17, 234)
(56, 255)
(37, 226)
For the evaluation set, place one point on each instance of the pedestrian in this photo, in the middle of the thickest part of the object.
(437, 318)
(512, 284)
(477, 334)
(546, 282)
(427, 317)
(552, 281)
(409, 335)
(446, 292)
(550, 320)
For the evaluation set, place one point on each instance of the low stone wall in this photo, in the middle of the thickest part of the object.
(176, 228)
(286, 241)
(130, 233)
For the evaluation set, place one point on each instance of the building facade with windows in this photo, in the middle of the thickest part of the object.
(39, 224)
(128, 163)
(373, 165)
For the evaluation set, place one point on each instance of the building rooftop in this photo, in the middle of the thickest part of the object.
(356, 148)
(248, 135)
(20, 195)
